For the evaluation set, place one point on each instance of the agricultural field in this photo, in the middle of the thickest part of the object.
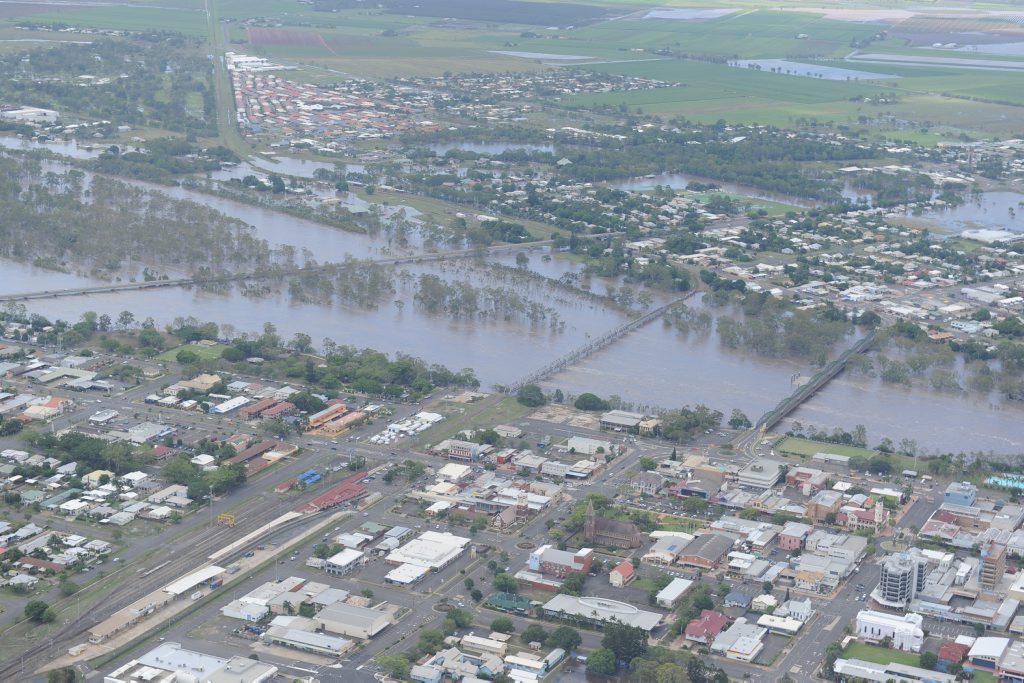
(190, 21)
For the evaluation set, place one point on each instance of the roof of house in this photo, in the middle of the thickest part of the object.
(625, 570)
(737, 597)
(709, 623)
(953, 652)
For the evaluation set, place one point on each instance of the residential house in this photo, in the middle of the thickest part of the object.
(622, 575)
(706, 627)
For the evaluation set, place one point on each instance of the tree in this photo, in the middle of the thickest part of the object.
(833, 652)
(395, 666)
(647, 463)
(125, 320)
(461, 617)
(767, 587)
(68, 587)
(929, 660)
(588, 401)
(674, 455)
(178, 470)
(565, 637)
(64, 675)
(627, 642)
(186, 357)
(430, 642)
(476, 594)
(534, 633)
(506, 583)
(469, 583)
(35, 610)
(695, 504)
(602, 662)
(503, 625)
(739, 420)
(531, 395)
(572, 584)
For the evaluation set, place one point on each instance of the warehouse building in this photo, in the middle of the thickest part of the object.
(352, 621)
(592, 610)
(671, 595)
(171, 662)
(432, 549)
(344, 562)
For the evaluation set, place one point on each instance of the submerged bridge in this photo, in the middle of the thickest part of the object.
(813, 386)
(594, 345)
(261, 275)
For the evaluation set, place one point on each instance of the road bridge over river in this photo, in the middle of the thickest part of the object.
(748, 440)
(814, 385)
(583, 351)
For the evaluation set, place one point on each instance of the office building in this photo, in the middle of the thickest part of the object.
(961, 493)
(903, 575)
(993, 564)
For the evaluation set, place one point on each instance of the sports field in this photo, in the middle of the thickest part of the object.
(806, 447)
(204, 352)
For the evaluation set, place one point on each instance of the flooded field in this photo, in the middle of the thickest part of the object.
(828, 73)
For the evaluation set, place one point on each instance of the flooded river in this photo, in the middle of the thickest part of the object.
(654, 366)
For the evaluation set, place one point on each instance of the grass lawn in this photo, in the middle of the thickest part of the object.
(880, 655)
(496, 409)
(806, 447)
(204, 352)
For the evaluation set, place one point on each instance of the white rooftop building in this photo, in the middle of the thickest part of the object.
(669, 596)
(432, 549)
(905, 630)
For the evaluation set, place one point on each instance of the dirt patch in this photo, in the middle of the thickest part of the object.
(565, 415)
(468, 397)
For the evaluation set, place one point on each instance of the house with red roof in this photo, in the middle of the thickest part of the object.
(35, 564)
(951, 653)
(706, 627)
(161, 452)
(622, 575)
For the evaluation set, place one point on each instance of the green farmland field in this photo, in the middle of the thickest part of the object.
(187, 21)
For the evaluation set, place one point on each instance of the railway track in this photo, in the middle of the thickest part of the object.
(75, 630)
